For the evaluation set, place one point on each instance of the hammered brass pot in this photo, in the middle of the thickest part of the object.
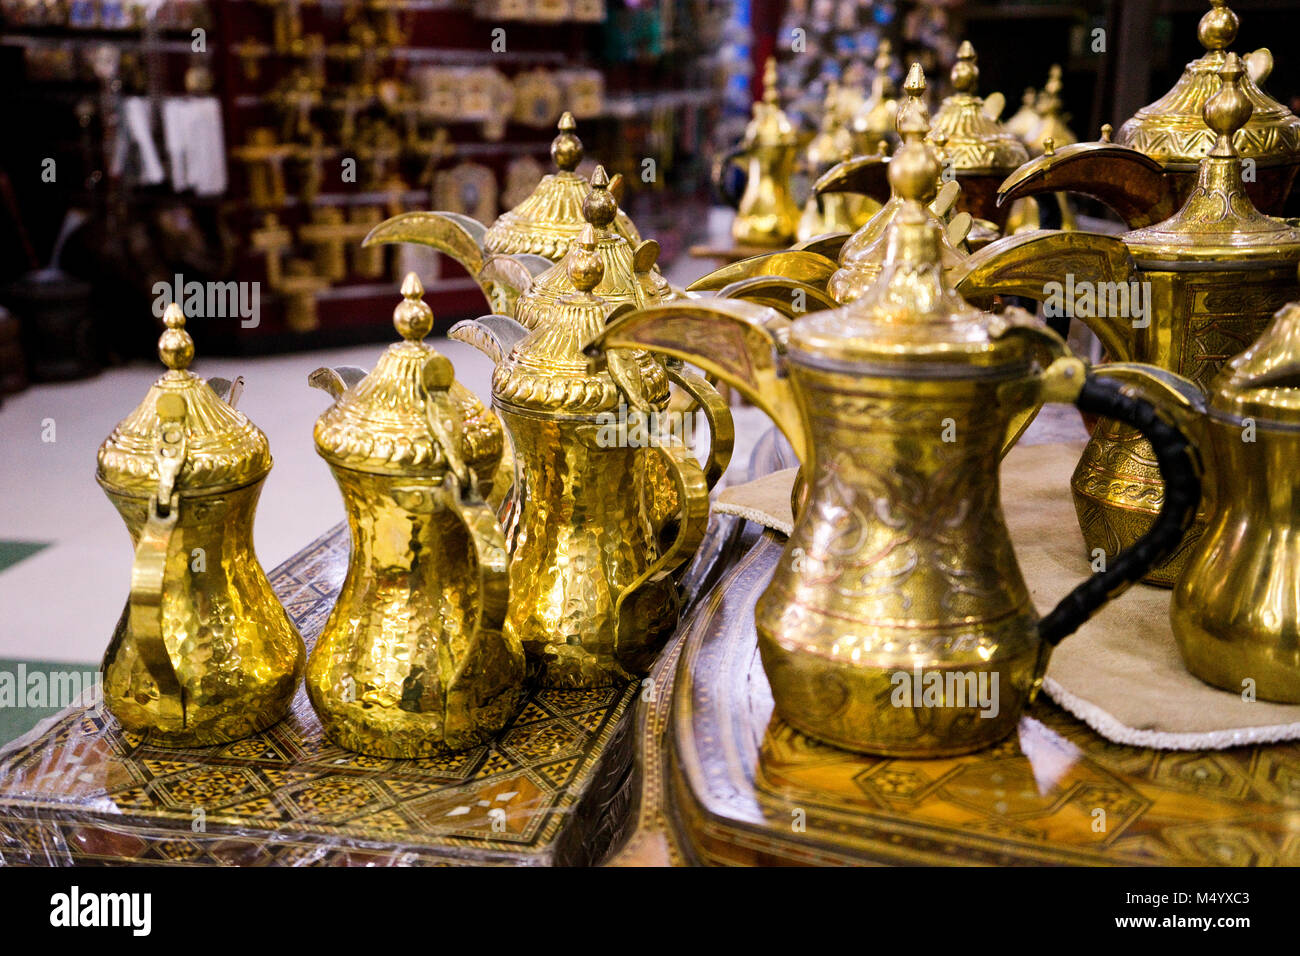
(412, 661)
(897, 621)
(204, 653)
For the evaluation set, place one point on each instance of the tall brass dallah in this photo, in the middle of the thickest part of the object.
(412, 661)
(899, 572)
(607, 504)
(204, 652)
(767, 214)
(1184, 294)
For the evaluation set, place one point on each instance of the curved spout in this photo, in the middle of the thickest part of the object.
(828, 244)
(459, 236)
(493, 335)
(865, 175)
(739, 342)
(803, 265)
(1031, 264)
(336, 380)
(790, 297)
(1129, 182)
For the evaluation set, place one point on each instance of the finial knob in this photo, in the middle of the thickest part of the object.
(1107, 131)
(1049, 146)
(770, 95)
(413, 318)
(913, 119)
(1218, 28)
(566, 148)
(965, 72)
(599, 208)
(914, 85)
(1228, 110)
(175, 347)
(585, 267)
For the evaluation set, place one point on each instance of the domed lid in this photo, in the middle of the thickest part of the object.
(547, 369)
(1218, 222)
(628, 274)
(976, 143)
(182, 418)
(1263, 382)
(909, 315)
(551, 217)
(400, 418)
(769, 127)
(1171, 131)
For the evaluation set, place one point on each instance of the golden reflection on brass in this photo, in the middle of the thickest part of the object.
(608, 500)
(898, 405)
(1234, 609)
(204, 653)
(767, 214)
(412, 661)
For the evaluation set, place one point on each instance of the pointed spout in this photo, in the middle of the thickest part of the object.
(493, 335)
(336, 380)
(741, 343)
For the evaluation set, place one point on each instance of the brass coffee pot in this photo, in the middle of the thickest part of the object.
(767, 214)
(412, 661)
(204, 653)
(832, 212)
(1151, 168)
(609, 500)
(874, 121)
(899, 571)
(522, 242)
(1235, 611)
(1184, 294)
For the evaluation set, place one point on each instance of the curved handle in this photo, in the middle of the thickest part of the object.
(722, 428)
(693, 519)
(149, 581)
(1180, 469)
(722, 164)
(491, 559)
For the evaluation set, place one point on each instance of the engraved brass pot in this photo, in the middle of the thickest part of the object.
(604, 511)
(1208, 279)
(1235, 610)
(767, 214)
(1151, 168)
(412, 661)
(899, 570)
(204, 652)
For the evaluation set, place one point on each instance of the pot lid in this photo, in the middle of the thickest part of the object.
(547, 370)
(976, 143)
(222, 449)
(551, 216)
(1263, 382)
(1218, 222)
(628, 273)
(409, 416)
(910, 315)
(1170, 130)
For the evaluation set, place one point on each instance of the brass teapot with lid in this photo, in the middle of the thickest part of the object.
(204, 653)
(1184, 294)
(609, 500)
(899, 569)
(521, 242)
(873, 123)
(767, 214)
(1151, 167)
(412, 661)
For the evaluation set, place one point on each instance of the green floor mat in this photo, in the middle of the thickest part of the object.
(30, 691)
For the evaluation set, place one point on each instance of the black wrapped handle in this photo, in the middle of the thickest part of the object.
(1180, 469)
(724, 176)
